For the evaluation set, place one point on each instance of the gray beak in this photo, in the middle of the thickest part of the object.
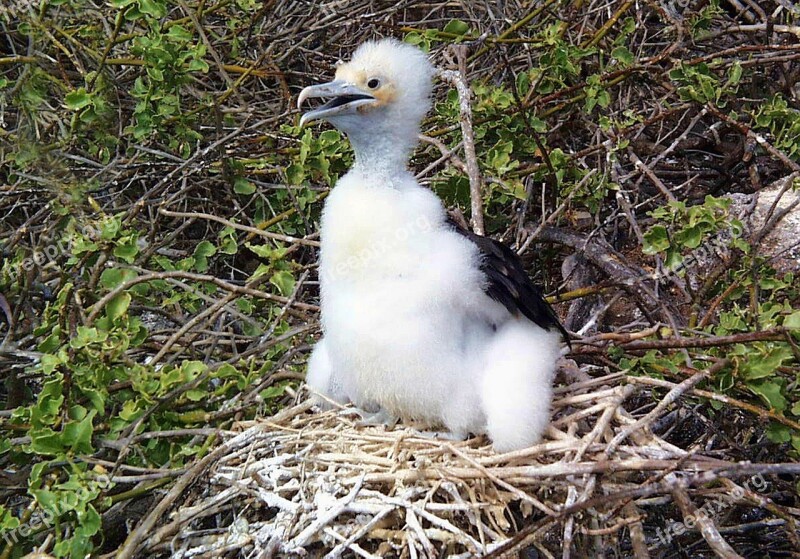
(344, 99)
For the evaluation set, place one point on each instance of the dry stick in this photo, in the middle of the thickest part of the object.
(774, 335)
(764, 502)
(458, 79)
(667, 401)
(702, 478)
(447, 154)
(688, 130)
(188, 514)
(716, 302)
(521, 495)
(741, 53)
(247, 228)
(100, 305)
(640, 165)
(135, 538)
(599, 252)
(337, 551)
(195, 320)
(413, 522)
(759, 27)
(707, 528)
(550, 218)
(609, 24)
(569, 524)
(558, 469)
(211, 50)
(622, 394)
(638, 540)
(747, 131)
(760, 412)
(521, 23)
(167, 179)
(328, 516)
(773, 218)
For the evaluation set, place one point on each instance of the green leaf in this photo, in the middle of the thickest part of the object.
(656, 240)
(205, 249)
(272, 392)
(765, 365)
(46, 441)
(295, 174)
(284, 281)
(198, 65)
(78, 434)
(86, 336)
(130, 411)
(538, 125)
(113, 277)
(778, 433)
(196, 395)
(78, 99)
(117, 306)
(51, 343)
(456, 27)
(771, 393)
(49, 403)
(127, 251)
(690, 237)
(90, 522)
(95, 398)
(792, 322)
(193, 368)
(179, 33)
(330, 137)
(623, 55)
(243, 186)
(7, 520)
(152, 8)
(228, 245)
(245, 305)
(202, 251)
(155, 74)
(266, 251)
(735, 74)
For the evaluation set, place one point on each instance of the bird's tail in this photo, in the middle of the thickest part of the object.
(516, 387)
(326, 384)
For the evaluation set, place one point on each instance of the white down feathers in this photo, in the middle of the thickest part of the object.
(408, 327)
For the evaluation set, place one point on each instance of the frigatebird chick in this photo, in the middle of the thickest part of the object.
(421, 320)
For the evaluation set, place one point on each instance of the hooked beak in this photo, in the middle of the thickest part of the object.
(345, 98)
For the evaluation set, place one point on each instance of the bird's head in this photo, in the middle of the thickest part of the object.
(382, 92)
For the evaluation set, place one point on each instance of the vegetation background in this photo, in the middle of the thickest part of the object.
(159, 208)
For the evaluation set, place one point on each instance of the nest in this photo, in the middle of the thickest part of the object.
(305, 483)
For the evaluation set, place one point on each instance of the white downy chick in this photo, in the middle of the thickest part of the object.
(421, 320)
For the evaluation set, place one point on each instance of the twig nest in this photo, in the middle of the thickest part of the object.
(309, 483)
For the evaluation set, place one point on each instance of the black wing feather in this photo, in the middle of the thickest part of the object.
(509, 284)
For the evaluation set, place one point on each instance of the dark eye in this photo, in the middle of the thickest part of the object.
(373, 83)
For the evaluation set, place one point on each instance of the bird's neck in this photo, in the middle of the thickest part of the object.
(384, 154)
